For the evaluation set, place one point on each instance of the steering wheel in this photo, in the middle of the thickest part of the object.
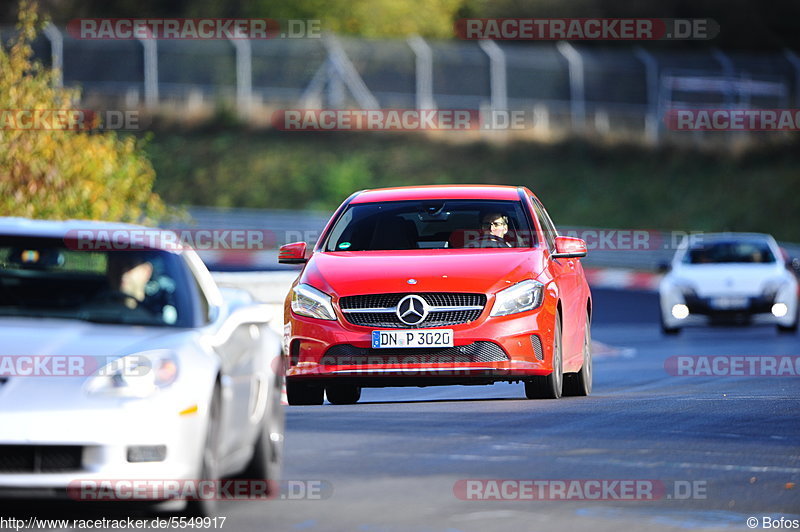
(118, 296)
(493, 241)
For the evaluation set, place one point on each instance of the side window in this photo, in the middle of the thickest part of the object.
(549, 229)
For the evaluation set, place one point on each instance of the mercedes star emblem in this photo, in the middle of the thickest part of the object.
(412, 310)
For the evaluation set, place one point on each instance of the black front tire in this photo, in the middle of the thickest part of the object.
(304, 393)
(343, 394)
(580, 384)
(549, 386)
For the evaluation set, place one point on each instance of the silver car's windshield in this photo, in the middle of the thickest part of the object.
(46, 277)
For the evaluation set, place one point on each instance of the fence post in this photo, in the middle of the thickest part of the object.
(424, 72)
(56, 51)
(150, 71)
(795, 61)
(244, 74)
(497, 74)
(729, 71)
(577, 90)
(348, 74)
(651, 126)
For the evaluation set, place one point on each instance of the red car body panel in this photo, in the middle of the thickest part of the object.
(486, 271)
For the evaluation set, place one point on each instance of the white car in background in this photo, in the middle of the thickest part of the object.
(178, 383)
(728, 278)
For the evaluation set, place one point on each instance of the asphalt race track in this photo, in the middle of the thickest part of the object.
(723, 448)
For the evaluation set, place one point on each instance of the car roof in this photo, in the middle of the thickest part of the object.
(732, 237)
(101, 230)
(434, 192)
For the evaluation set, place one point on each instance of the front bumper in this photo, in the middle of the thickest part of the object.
(524, 339)
(103, 435)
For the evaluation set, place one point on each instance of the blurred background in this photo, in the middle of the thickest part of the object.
(594, 145)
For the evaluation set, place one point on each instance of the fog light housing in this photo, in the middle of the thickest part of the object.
(779, 310)
(147, 453)
(680, 312)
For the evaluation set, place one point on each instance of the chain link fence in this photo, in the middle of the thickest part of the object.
(563, 86)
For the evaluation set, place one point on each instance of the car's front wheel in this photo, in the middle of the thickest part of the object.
(549, 386)
(580, 383)
(300, 393)
(343, 394)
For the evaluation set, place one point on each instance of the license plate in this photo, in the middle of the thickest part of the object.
(729, 302)
(413, 338)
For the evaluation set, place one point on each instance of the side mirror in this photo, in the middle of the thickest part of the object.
(294, 253)
(664, 267)
(568, 247)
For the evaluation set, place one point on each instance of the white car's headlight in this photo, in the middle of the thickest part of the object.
(136, 375)
(525, 295)
(308, 301)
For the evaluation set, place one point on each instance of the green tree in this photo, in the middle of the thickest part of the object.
(61, 171)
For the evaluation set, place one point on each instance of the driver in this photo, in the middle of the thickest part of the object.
(494, 227)
(128, 273)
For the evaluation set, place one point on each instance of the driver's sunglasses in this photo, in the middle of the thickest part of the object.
(495, 224)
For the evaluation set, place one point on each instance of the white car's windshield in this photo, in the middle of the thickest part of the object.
(730, 252)
(46, 277)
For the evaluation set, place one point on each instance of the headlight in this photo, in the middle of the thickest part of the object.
(523, 296)
(308, 301)
(137, 375)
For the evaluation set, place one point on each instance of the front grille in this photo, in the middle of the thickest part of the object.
(440, 317)
(347, 354)
(40, 458)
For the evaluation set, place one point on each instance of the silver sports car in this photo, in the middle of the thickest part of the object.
(121, 360)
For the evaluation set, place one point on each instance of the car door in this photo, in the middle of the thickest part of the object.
(566, 275)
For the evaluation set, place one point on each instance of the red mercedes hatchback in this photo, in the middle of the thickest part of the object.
(437, 285)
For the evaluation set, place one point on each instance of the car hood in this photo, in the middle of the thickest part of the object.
(57, 337)
(449, 270)
(727, 279)
(68, 353)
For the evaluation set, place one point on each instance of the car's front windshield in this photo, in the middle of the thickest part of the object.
(431, 224)
(49, 278)
(730, 252)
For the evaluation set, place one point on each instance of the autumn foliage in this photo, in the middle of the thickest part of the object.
(63, 172)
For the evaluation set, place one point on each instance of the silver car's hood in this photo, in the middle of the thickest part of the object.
(55, 337)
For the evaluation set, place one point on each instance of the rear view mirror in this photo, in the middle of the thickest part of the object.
(568, 247)
(294, 253)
